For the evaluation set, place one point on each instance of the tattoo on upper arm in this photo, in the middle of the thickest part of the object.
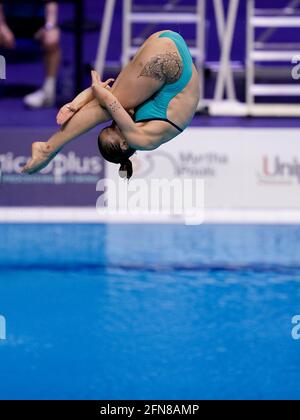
(114, 106)
(164, 67)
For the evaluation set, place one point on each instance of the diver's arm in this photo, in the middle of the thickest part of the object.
(68, 110)
(87, 95)
(82, 99)
(133, 134)
(117, 112)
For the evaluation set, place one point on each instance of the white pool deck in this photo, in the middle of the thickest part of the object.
(90, 215)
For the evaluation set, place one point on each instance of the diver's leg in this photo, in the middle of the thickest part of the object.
(68, 111)
(132, 88)
(84, 120)
(129, 88)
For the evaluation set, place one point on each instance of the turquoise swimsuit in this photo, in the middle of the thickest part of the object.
(156, 108)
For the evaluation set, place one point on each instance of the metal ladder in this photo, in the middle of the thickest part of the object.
(171, 12)
(260, 51)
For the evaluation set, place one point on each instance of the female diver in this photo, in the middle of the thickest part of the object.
(152, 101)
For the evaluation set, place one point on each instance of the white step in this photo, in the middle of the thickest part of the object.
(279, 12)
(154, 8)
(275, 90)
(277, 46)
(285, 56)
(227, 108)
(163, 18)
(275, 22)
(274, 110)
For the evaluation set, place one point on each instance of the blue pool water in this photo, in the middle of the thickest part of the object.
(149, 312)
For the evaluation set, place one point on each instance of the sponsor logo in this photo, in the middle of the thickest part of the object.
(186, 164)
(276, 171)
(65, 168)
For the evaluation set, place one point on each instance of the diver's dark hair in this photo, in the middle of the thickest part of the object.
(126, 169)
(112, 152)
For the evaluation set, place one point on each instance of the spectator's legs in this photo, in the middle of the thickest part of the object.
(52, 57)
(46, 96)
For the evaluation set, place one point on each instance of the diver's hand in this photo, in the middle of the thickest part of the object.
(106, 84)
(65, 114)
(96, 80)
(99, 88)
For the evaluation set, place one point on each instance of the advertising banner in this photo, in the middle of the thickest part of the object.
(243, 168)
(70, 180)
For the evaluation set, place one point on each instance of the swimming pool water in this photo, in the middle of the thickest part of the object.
(149, 312)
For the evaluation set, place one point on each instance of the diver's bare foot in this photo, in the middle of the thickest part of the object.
(65, 114)
(41, 157)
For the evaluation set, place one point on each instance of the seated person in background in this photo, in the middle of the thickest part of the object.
(38, 20)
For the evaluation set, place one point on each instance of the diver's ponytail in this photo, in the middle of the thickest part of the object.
(126, 169)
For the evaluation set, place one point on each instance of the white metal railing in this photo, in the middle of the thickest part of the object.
(259, 51)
